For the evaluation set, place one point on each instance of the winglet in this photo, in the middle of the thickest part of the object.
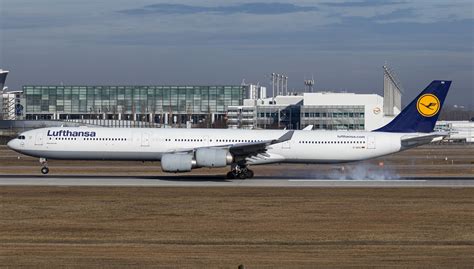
(308, 128)
(287, 136)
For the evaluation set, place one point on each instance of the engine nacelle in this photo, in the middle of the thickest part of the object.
(175, 162)
(212, 157)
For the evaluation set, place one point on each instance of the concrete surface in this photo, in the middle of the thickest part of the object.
(218, 181)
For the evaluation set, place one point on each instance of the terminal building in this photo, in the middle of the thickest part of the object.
(322, 110)
(10, 101)
(266, 113)
(159, 104)
(233, 106)
(459, 131)
(3, 77)
(343, 111)
(12, 107)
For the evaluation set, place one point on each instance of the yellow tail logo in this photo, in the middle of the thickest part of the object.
(428, 105)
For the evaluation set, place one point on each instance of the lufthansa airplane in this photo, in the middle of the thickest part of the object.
(181, 150)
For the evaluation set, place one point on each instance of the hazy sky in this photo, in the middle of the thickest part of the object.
(342, 43)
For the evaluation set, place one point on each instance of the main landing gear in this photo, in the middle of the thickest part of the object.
(240, 172)
(44, 163)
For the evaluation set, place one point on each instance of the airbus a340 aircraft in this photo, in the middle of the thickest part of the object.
(181, 150)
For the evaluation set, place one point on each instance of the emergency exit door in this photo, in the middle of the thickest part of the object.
(39, 139)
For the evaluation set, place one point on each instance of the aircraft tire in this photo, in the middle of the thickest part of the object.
(249, 173)
(45, 170)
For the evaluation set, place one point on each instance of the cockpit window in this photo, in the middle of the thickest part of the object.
(21, 137)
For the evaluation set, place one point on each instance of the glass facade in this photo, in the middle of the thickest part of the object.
(277, 117)
(333, 117)
(58, 101)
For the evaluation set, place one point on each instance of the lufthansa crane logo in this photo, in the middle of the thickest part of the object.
(428, 105)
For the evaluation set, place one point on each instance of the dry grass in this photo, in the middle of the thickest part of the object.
(225, 227)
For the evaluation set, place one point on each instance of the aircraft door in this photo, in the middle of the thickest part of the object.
(145, 140)
(370, 142)
(39, 139)
(136, 139)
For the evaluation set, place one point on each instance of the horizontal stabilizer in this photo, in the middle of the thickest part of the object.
(410, 141)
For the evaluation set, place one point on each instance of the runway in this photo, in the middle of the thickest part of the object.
(219, 181)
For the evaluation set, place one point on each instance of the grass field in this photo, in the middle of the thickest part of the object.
(226, 227)
(204, 227)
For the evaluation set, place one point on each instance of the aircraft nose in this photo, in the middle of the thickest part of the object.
(11, 144)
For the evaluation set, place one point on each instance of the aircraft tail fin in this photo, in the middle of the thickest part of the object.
(421, 114)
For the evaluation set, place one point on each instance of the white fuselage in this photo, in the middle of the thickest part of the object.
(144, 144)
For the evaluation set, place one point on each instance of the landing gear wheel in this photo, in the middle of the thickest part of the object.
(239, 171)
(44, 170)
(249, 174)
(44, 164)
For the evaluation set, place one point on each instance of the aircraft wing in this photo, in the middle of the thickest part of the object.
(254, 148)
(243, 150)
(409, 141)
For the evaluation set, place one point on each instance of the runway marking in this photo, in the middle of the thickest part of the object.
(357, 180)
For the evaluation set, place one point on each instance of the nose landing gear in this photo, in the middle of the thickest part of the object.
(44, 163)
(44, 170)
(239, 171)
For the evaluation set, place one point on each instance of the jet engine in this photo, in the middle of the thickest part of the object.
(177, 162)
(213, 157)
(203, 157)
